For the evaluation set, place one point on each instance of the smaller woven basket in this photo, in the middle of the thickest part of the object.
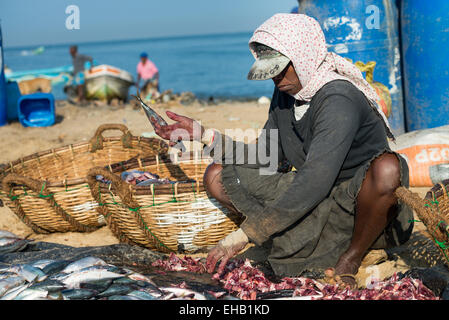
(48, 190)
(176, 217)
(433, 211)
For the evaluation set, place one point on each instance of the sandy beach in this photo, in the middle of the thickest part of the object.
(78, 124)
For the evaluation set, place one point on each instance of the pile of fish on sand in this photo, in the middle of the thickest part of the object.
(87, 278)
(92, 278)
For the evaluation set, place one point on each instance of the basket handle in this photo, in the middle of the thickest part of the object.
(438, 188)
(414, 201)
(95, 191)
(96, 142)
(123, 190)
(7, 183)
(40, 188)
(121, 187)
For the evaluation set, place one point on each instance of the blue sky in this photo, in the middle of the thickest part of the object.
(42, 22)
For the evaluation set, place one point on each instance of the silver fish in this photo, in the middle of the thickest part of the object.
(31, 294)
(7, 234)
(7, 274)
(48, 285)
(16, 245)
(84, 263)
(100, 285)
(11, 294)
(55, 267)
(123, 298)
(140, 277)
(153, 290)
(42, 263)
(7, 241)
(29, 273)
(142, 295)
(73, 280)
(181, 292)
(168, 296)
(55, 296)
(109, 268)
(153, 115)
(133, 283)
(33, 271)
(12, 282)
(77, 294)
(116, 289)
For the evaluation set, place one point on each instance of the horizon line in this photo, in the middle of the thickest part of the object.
(122, 40)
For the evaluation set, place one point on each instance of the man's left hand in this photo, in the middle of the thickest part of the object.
(225, 250)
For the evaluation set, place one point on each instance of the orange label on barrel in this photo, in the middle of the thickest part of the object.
(422, 159)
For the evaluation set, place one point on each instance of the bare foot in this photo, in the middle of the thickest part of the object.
(346, 269)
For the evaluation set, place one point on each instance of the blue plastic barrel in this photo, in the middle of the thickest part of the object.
(12, 97)
(425, 48)
(365, 31)
(36, 110)
(3, 103)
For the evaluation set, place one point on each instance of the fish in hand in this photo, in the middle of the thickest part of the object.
(153, 116)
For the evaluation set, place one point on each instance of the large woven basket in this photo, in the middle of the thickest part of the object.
(433, 211)
(48, 190)
(177, 217)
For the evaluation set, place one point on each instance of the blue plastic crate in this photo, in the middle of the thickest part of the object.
(36, 110)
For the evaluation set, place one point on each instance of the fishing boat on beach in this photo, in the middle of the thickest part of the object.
(57, 75)
(105, 82)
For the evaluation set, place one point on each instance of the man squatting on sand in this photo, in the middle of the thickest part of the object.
(324, 119)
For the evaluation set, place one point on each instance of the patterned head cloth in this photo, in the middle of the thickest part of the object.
(300, 38)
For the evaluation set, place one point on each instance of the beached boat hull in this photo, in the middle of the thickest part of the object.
(106, 83)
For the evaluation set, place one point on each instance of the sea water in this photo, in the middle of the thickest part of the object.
(207, 65)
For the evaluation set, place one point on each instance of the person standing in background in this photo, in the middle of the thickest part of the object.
(78, 71)
(148, 72)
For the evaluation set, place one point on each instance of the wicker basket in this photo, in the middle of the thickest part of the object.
(433, 211)
(175, 217)
(48, 190)
(439, 195)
